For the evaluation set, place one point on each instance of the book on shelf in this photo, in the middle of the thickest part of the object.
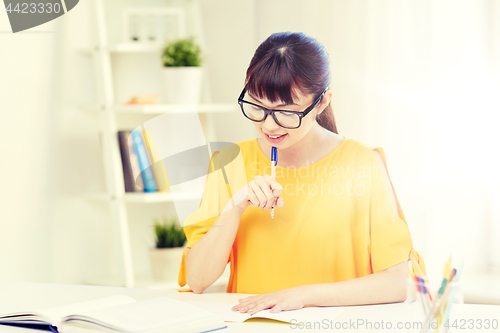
(130, 163)
(119, 313)
(141, 162)
(156, 162)
(148, 177)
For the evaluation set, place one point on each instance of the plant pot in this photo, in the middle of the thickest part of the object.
(182, 84)
(165, 263)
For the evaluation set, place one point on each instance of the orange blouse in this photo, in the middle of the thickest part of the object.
(338, 222)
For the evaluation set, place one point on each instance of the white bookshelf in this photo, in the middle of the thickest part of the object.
(172, 108)
(158, 109)
(142, 197)
(126, 48)
(135, 48)
(109, 112)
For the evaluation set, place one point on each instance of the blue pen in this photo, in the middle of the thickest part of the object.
(274, 162)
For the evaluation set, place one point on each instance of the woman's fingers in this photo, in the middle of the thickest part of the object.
(264, 192)
(254, 304)
(243, 303)
(262, 305)
(277, 190)
(275, 309)
(254, 201)
(276, 187)
(261, 192)
(257, 187)
(274, 301)
(266, 189)
(267, 192)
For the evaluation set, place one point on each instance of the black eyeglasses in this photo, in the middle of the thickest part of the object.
(284, 118)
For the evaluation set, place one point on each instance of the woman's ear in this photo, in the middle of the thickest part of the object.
(327, 98)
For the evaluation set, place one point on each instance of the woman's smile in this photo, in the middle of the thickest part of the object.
(275, 138)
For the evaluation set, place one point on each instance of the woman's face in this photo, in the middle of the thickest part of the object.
(280, 137)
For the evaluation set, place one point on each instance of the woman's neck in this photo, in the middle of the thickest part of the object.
(317, 143)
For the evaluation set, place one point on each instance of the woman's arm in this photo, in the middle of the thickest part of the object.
(387, 286)
(207, 258)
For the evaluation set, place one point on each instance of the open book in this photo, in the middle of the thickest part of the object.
(119, 313)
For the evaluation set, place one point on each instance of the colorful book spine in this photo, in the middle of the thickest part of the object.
(147, 174)
(156, 162)
(134, 163)
(130, 163)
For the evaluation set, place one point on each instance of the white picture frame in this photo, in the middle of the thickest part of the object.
(153, 25)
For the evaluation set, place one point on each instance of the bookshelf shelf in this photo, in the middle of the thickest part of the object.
(158, 109)
(143, 197)
(125, 48)
(135, 48)
(162, 108)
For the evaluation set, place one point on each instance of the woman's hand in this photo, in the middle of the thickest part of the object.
(261, 192)
(282, 300)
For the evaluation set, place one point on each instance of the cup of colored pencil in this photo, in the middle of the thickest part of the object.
(436, 302)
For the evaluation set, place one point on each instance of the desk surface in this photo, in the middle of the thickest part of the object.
(19, 296)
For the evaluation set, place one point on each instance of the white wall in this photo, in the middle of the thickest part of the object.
(229, 28)
(83, 240)
(50, 156)
(420, 83)
(27, 74)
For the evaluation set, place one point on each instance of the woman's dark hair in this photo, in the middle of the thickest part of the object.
(286, 62)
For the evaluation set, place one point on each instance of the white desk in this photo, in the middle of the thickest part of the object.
(25, 296)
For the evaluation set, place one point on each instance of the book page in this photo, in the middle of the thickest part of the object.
(57, 313)
(54, 315)
(147, 315)
(223, 310)
(24, 316)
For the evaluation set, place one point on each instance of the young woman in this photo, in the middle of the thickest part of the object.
(338, 236)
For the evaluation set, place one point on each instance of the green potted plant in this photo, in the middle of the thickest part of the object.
(169, 245)
(182, 69)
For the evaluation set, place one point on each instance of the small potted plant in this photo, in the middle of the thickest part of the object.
(181, 60)
(167, 254)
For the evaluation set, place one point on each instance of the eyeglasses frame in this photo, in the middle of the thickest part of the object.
(267, 112)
